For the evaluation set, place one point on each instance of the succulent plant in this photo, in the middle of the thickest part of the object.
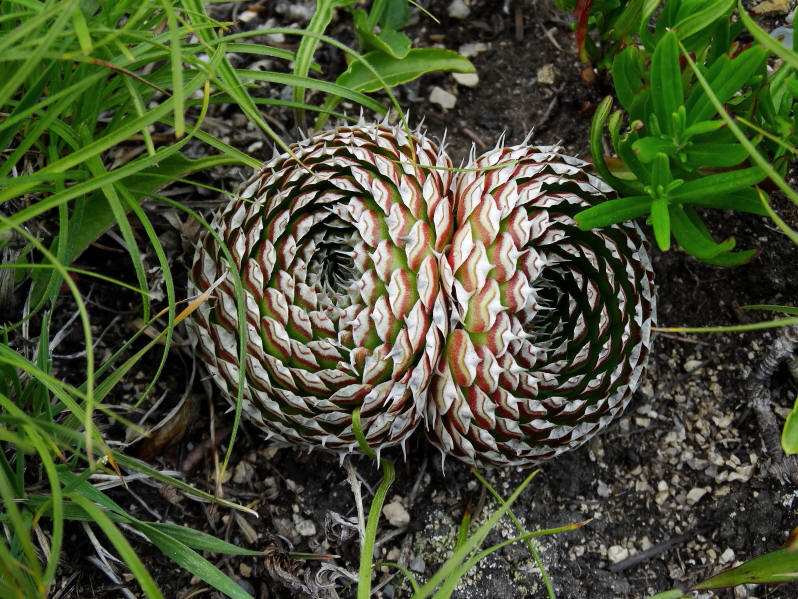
(372, 281)
(338, 256)
(550, 325)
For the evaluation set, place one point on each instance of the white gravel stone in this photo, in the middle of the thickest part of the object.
(458, 9)
(269, 452)
(467, 79)
(442, 98)
(304, 527)
(247, 16)
(546, 74)
(692, 365)
(727, 556)
(742, 474)
(695, 494)
(244, 472)
(471, 49)
(396, 513)
(616, 553)
(602, 489)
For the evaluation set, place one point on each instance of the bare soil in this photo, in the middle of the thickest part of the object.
(676, 490)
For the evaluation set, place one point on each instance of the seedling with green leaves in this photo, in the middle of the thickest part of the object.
(388, 58)
(676, 154)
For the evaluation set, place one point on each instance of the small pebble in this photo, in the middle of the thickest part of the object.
(546, 74)
(458, 9)
(269, 452)
(602, 489)
(471, 49)
(771, 6)
(616, 553)
(466, 79)
(243, 473)
(692, 365)
(396, 513)
(247, 16)
(442, 98)
(695, 494)
(304, 527)
(296, 11)
(727, 556)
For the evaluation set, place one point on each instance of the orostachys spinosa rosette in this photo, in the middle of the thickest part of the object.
(550, 325)
(339, 259)
(469, 299)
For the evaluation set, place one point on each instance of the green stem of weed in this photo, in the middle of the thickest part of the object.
(370, 536)
(528, 541)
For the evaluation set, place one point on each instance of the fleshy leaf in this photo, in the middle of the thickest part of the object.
(394, 71)
(789, 435)
(777, 566)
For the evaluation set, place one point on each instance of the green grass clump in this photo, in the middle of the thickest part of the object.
(81, 81)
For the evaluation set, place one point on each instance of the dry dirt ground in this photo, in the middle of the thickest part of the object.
(675, 490)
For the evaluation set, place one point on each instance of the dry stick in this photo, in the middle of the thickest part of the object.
(548, 33)
(547, 113)
(68, 586)
(683, 339)
(643, 556)
(354, 482)
(474, 137)
(781, 350)
(519, 22)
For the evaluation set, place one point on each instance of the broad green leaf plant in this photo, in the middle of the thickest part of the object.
(388, 56)
(675, 153)
(707, 120)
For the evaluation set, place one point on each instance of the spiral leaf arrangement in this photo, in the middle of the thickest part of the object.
(375, 279)
(550, 324)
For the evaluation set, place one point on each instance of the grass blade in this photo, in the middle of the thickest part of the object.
(119, 542)
(474, 541)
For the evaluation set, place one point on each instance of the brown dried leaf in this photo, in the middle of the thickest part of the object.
(170, 429)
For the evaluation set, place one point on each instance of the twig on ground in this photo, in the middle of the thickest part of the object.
(518, 21)
(354, 482)
(782, 349)
(548, 33)
(547, 113)
(683, 339)
(475, 138)
(643, 556)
